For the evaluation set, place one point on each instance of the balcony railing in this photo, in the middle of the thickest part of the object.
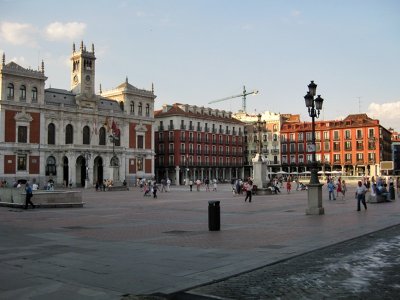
(160, 128)
(170, 127)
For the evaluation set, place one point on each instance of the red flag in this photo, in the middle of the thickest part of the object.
(115, 129)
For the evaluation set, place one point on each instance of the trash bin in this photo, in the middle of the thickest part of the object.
(214, 220)
(391, 191)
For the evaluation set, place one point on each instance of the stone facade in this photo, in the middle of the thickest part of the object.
(73, 136)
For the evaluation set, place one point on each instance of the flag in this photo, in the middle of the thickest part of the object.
(115, 128)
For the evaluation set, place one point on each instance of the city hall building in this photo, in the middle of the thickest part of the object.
(73, 136)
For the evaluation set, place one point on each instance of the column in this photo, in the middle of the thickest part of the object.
(177, 175)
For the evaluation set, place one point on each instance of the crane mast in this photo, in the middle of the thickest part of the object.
(243, 95)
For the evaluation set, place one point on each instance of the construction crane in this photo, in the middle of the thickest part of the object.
(243, 95)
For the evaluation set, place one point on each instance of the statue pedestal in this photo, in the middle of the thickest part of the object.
(260, 175)
(314, 199)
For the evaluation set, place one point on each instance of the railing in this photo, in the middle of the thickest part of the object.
(170, 127)
(183, 127)
(160, 128)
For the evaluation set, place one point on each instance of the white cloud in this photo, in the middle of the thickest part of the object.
(295, 13)
(387, 113)
(19, 33)
(60, 31)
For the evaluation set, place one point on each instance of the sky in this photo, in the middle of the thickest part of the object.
(202, 50)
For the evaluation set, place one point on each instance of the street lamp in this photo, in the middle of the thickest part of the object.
(258, 128)
(187, 169)
(314, 107)
(114, 159)
(87, 156)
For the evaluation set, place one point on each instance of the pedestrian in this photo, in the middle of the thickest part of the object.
(155, 188)
(288, 186)
(344, 189)
(215, 185)
(207, 182)
(360, 195)
(190, 184)
(198, 184)
(248, 187)
(28, 196)
(338, 187)
(168, 185)
(163, 185)
(331, 190)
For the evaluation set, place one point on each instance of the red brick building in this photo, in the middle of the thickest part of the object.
(194, 142)
(353, 146)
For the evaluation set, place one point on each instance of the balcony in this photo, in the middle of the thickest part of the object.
(191, 128)
(234, 132)
(160, 128)
(206, 129)
(346, 149)
(171, 138)
(170, 127)
(182, 151)
(183, 127)
(221, 131)
(199, 128)
(274, 151)
(228, 131)
(214, 130)
(360, 162)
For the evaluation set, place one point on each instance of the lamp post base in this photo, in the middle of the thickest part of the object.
(315, 199)
(86, 184)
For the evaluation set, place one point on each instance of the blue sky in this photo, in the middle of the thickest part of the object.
(198, 51)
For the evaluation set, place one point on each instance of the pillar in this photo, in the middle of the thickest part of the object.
(177, 175)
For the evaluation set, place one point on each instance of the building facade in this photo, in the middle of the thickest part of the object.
(354, 146)
(197, 143)
(396, 151)
(73, 136)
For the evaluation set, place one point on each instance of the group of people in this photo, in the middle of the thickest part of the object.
(336, 184)
(199, 183)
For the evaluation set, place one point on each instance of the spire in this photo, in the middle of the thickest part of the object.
(92, 48)
(81, 45)
(42, 66)
(152, 88)
(100, 89)
(126, 80)
(73, 47)
(4, 59)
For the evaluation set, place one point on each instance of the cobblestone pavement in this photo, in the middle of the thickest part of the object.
(367, 267)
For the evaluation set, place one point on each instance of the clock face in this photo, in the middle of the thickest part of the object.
(87, 78)
(76, 79)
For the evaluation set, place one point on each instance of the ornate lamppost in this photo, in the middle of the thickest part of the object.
(87, 156)
(314, 107)
(258, 129)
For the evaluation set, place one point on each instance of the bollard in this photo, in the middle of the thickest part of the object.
(391, 191)
(214, 220)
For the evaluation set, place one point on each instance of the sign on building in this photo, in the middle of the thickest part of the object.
(387, 165)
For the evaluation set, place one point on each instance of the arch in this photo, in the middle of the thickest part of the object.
(51, 169)
(80, 171)
(22, 93)
(86, 135)
(147, 110)
(65, 171)
(69, 134)
(10, 91)
(98, 173)
(121, 105)
(51, 134)
(102, 136)
(140, 107)
(114, 162)
(34, 92)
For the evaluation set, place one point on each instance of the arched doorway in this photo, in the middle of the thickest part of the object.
(65, 171)
(98, 170)
(81, 171)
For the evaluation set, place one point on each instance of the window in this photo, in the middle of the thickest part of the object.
(308, 136)
(21, 162)
(371, 132)
(34, 94)
(183, 137)
(326, 146)
(140, 108)
(132, 107)
(326, 135)
(147, 110)
(360, 157)
(347, 134)
(336, 158)
(326, 158)
(22, 93)
(291, 137)
(301, 147)
(69, 134)
(102, 136)
(86, 135)
(283, 138)
(347, 157)
(284, 159)
(292, 147)
(10, 91)
(359, 134)
(300, 136)
(284, 148)
(301, 159)
(140, 141)
(182, 148)
(51, 134)
(140, 164)
(336, 146)
(347, 145)
(51, 166)
(22, 134)
(336, 135)
(171, 160)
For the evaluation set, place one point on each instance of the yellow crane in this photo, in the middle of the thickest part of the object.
(243, 95)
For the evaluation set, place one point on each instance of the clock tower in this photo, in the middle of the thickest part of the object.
(83, 71)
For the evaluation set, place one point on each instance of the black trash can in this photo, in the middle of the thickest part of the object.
(391, 191)
(214, 219)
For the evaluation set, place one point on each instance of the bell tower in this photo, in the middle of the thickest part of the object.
(83, 71)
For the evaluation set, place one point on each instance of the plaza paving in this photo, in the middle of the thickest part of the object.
(122, 243)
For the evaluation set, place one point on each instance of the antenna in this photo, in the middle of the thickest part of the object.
(359, 104)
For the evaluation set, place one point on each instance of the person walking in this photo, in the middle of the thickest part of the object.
(28, 196)
(215, 185)
(338, 187)
(360, 195)
(191, 184)
(248, 186)
(207, 183)
(288, 186)
(155, 188)
(198, 184)
(344, 189)
(331, 190)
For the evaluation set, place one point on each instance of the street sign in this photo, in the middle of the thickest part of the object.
(387, 165)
